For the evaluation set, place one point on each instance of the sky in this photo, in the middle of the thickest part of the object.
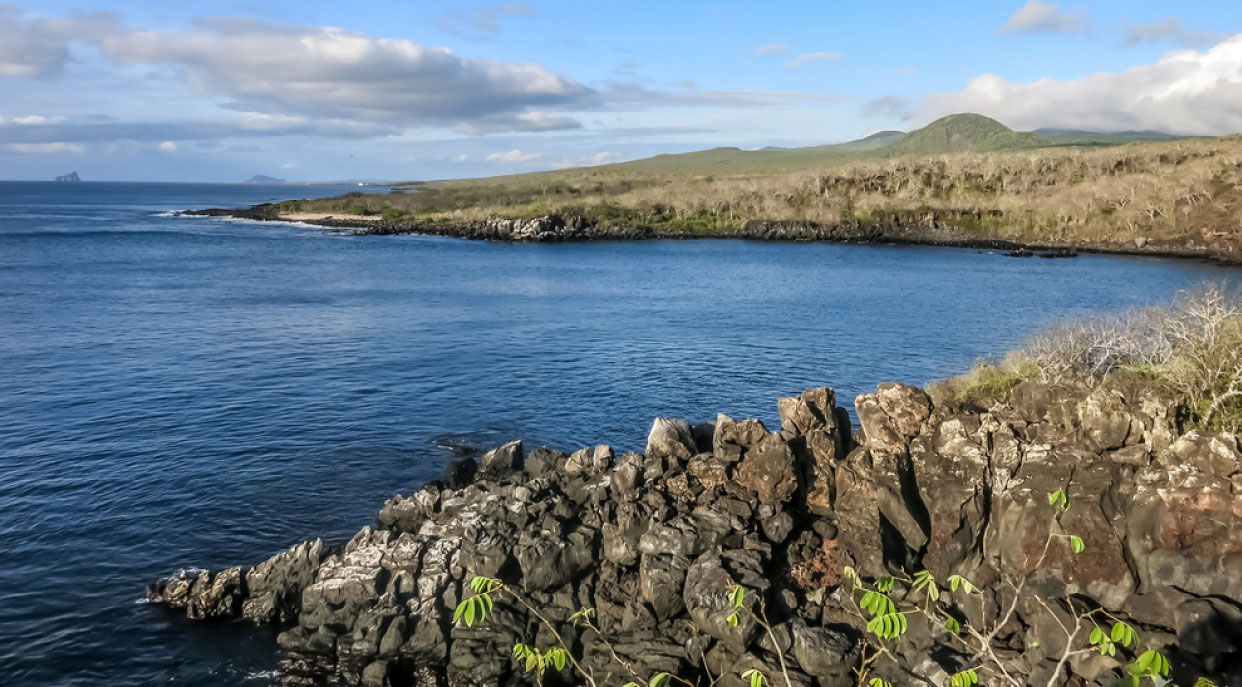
(313, 90)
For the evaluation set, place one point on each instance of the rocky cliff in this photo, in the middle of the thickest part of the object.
(655, 542)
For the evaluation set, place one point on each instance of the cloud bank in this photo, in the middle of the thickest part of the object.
(1187, 91)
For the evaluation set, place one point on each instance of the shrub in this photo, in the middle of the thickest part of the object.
(391, 214)
(1193, 346)
(989, 381)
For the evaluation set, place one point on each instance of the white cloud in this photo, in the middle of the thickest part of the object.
(46, 148)
(307, 71)
(889, 106)
(289, 165)
(525, 121)
(807, 58)
(1038, 17)
(325, 72)
(38, 47)
(281, 79)
(513, 157)
(1187, 91)
(31, 119)
(485, 18)
(1169, 28)
(168, 147)
(463, 158)
(250, 125)
(770, 49)
(600, 158)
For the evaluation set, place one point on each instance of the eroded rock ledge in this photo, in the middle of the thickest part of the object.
(652, 542)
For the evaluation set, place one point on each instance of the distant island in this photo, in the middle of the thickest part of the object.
(71, 176)
(264, 179)
(963, 180)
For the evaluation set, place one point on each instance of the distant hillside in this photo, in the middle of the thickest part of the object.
(960, 133)
(264, 179)
(1077, 137)
(963, 133)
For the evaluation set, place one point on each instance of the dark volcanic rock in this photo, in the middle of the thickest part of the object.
(655, 543)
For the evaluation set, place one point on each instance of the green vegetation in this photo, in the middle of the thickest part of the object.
(964, 133)
(1190, 349)
(965, 173)
(988, 381)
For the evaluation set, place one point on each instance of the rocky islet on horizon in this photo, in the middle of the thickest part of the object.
(653, 540)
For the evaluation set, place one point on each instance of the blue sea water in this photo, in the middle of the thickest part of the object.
(203, 392)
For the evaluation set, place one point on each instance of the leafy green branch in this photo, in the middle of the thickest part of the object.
(886, 619)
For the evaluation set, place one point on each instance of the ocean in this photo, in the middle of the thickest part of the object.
(180, 392)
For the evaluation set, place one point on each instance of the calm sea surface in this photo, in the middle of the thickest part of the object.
(199, 392)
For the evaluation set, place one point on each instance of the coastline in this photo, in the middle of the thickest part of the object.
(908, 229)
(653, 543)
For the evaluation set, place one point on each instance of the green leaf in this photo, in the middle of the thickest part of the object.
(470, 610)
(461, 608)
(732, 619)
(889, 626)
(877, 604)
(659, 680)
(879, 682)
(885, 584)
(1123, 634)
(1059, 500)
(956, 581)
(926, 582)
(1152, 663)
(952, 626)
(1076, 544)
(532, 662)
(559, 658)
(1097, 635)
(738, 595)
(1204, 682)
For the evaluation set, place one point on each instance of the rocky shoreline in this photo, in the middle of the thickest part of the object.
(654, 543)
(914, 229)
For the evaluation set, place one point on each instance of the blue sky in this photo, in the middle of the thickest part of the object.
(311, 90)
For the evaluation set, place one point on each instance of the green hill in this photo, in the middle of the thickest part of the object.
(963, 133)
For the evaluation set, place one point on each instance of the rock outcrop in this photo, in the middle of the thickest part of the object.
(930, 227)
(654, 543)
